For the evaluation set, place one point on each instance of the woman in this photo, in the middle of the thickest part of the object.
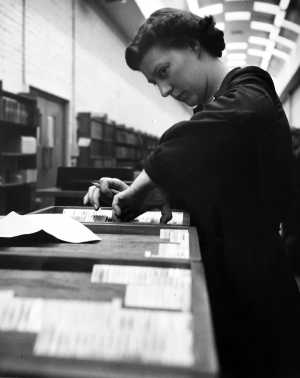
(231, 167)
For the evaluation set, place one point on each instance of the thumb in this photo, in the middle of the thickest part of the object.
(116, 206)
(166, 213)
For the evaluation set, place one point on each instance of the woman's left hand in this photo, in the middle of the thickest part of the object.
(127, 205)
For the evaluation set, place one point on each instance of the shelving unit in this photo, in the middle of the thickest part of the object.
(18, 151)
(104, 144)
(95, 140)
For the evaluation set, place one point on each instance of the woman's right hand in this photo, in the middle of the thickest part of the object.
(105, 189)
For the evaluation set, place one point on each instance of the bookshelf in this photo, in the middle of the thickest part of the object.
(95, 140)
(18, 151)
(103, 143)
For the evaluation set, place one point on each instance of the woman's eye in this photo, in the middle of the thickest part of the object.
(162, 72)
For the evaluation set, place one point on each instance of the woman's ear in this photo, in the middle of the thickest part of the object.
(197, 48)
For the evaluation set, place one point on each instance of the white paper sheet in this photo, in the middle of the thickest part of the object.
(126, 334)
(58, 225)
(138, 275)
(156, 296)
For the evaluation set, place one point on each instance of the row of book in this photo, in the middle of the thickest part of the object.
(13, 111)
(99, 137)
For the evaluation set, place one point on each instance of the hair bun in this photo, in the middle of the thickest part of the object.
(206, 23)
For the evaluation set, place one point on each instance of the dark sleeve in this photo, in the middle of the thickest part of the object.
(191, 146)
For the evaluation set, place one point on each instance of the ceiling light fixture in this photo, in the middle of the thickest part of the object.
(256, 52)
(259, 6)
(284, 4)
(258, 40)
(281, 54)
(291, 26)
(236, 56)
(285, 42)
(262, 26)
(237, 16)
(236, 45)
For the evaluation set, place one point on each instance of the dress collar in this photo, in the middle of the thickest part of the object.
(224, 85)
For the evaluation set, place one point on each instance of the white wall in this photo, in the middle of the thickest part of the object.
(295, 108)
(70, 49)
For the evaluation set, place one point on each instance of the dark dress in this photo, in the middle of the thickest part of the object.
(231, 166)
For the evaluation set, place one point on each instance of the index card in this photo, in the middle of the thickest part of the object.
(140, 336)
(175, 235)
(87, 215)
(154, 217)
(58, 225)
(19, 314)
(31, 314)
(157, 296)
(123, 274)
(172, 250)
(7, 293)
(91, 215)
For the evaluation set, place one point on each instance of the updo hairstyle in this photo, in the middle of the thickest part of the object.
(169, 27)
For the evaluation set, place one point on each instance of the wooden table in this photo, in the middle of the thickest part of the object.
(16, 348)
(63, 271)
(60, 209)
(119, 243)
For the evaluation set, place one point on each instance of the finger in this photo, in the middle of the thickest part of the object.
(106, 187)
(166, 214)
(95, 197)
(118, 184)
(87, 197)
(116, 206)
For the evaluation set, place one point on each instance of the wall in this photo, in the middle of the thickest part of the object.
(70, 49)
(289, 68)
(295, 108)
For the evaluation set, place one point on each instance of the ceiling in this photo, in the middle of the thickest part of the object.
(262, 33)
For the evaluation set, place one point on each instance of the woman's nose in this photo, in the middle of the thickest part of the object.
(164, 88)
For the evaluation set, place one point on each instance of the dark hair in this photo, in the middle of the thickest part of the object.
(171, 27)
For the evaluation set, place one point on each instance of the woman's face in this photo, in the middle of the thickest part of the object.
(178, 72)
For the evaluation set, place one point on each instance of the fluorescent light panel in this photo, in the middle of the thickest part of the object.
(211, 10)
(236, 45)
(281, 54)
(285, 42)
(259, 6)
(237, 16)
(291, 26)
(256, 52)
(259, 40)
(239, 56)
(279, 18)
(263, 26)
(284, 4)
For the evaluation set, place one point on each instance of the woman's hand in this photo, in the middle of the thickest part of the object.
(128, 204)
(105, 190)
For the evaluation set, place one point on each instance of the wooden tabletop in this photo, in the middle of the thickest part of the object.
(16, 348)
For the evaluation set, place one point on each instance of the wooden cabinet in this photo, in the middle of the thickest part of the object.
(18, 151)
